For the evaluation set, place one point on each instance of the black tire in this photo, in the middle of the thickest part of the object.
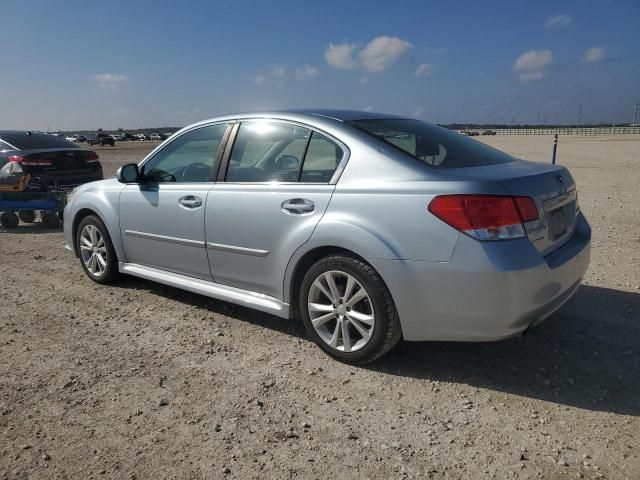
(50, 220)
(386, 331)
(27, 216)
(9, 220)
(111, 272)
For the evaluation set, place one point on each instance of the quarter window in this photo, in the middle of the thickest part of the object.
(189, 158)
(266, 151)
(321, 160)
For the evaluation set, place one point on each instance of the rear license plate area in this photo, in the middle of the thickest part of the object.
(558, 222)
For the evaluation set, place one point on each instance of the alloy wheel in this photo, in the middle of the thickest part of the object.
(93, 250)
(341, 311)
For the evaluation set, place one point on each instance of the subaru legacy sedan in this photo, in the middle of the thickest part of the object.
(369, 228)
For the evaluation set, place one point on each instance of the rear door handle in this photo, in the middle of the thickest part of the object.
(297, 206)
(190, 201)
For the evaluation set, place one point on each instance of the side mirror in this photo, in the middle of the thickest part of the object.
(287, 162)
(128, 173)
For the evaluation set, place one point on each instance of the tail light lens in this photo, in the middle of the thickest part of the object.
(91, 157)
(485, 217)
(31, 160)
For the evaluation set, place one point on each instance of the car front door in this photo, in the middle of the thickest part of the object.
(277, 186)
(162, 218)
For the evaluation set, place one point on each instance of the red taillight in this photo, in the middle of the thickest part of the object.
(527, 208)
(91, 157)
(486, 217)
(31, 160)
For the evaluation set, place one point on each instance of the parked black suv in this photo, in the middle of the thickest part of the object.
(101, 139)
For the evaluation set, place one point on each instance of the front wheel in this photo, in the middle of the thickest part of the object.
(97, 256)
(347, 309)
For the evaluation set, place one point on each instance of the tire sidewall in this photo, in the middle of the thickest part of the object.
(112, 261)
(351, 266)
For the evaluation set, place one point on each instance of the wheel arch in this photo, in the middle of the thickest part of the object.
(112, 226)
(297, 269)
(79, 216)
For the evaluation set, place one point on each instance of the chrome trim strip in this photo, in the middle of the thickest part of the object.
(211, 289)
(164, 238)
(241, 250)
(560, 200)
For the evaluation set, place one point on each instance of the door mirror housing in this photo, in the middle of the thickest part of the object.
(128, 173)
(287, 162)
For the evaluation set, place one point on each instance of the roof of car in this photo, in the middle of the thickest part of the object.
(341, 115)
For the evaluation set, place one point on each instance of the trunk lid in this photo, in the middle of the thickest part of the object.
(553, 189)
(59, 161)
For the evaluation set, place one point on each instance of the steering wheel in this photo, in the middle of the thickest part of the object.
(196, 170)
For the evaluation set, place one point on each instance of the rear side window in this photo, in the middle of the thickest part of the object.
(266, 151)
(321, 160)
(432, 145)
(4, 146)
(189, 158)
(24, 141)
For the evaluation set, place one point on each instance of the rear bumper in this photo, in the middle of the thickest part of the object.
(488, 290)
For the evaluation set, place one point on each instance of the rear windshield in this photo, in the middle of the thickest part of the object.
(433, 145)
(24, 141)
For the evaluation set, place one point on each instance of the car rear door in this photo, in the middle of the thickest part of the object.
(162, 218)
(277, 184)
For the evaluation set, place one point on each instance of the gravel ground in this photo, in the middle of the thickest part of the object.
(139, 380)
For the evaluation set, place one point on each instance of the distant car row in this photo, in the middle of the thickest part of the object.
(475, 133)
(110, 139)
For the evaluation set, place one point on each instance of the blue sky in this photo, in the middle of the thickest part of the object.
(72, 65)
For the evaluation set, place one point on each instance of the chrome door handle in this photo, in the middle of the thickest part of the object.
(190, 201)
(297, 206)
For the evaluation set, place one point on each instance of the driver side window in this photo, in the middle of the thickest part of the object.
(189, 158)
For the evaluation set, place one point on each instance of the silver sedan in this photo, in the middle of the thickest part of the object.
(369, 228)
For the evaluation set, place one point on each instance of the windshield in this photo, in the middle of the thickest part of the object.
(432, 145)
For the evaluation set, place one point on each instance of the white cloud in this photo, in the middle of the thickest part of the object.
(595, 54)
(531, 65)
(376, 56)
(364, 80)
(558, 21)
(382, 52)
(340, 55)
(531, 76)
(109, 80)
(277, 71)
(368, 108)
(272, 75)
(306, 72)
(424, 70)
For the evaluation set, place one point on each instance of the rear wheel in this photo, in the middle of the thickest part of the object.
(9, 220)
(50, 220)
(27, 216)
(97, 256)
(347, 309)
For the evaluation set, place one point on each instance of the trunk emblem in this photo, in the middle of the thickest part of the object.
(559, 179)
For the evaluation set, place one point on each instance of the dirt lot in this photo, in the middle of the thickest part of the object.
(139, 380)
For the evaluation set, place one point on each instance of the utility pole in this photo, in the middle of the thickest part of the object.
(579, 114)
